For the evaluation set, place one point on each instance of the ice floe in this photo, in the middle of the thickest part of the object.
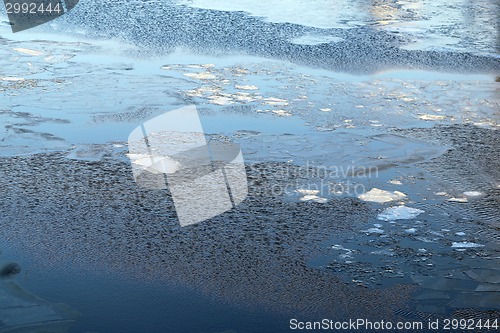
(431, 117)
(373, 231)
(246, 87)
(307, 192)
(28, 51)
(275, 101)
(399, 213)
(311, 195)
(459, 200)
(465, 245)
(200, 76)
(381, 196)
(473, 194)
(282, 113)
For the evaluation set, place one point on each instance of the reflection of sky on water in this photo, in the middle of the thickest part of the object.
(459, 25)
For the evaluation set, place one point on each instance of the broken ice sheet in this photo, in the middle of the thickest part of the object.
(484, 275)
(314, 198)
(381, 196)
(399, 213)
(431, 117)
(307, 192)
(488, 287)
(460, 200)
(200, 76)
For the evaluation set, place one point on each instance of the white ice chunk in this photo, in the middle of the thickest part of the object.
(461, 200)
(12, 79)
(200, 76)
(473, 194)
(309, 197)
(246, 87)
(411, 231)
(28, 51)
(465, 245)
(307, 192)
(399, 213)
(381, 196)
(373, 231)
(461, 233)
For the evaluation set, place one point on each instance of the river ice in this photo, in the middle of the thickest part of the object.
(346, 121)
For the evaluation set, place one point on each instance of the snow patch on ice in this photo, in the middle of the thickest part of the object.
(200, 76)
(460, 200)
(473, 194)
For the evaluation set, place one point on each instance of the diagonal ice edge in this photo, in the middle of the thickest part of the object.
(204, 179)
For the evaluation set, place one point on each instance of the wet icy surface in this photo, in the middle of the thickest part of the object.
(379, 189)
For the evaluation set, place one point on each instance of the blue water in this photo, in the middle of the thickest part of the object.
(109, 302)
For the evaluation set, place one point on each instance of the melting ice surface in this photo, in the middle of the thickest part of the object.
(84, 96)
(430, 24)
